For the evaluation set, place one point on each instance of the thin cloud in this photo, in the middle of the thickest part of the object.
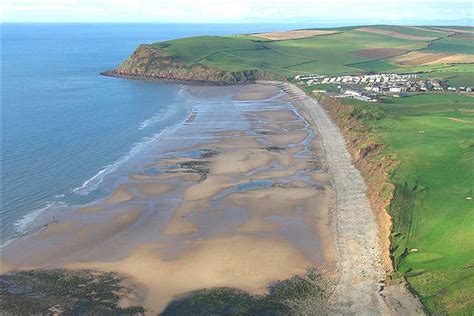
(281, 11)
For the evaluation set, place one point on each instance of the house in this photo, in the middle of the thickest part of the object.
(398, 89)
(352, 92)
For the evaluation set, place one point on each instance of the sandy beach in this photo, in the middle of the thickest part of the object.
(240, 199)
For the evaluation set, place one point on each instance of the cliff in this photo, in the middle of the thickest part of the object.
(371, 162)
(148, 62)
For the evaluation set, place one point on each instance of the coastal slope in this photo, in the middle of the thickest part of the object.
(148, 62)
(445, 55)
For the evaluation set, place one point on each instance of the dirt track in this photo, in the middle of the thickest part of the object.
(360, 289)
(379, 53)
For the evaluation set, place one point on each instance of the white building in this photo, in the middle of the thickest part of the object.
(398, 89)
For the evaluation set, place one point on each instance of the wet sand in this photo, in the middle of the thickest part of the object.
(240, 199)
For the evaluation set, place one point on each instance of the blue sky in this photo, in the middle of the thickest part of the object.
(241, 11)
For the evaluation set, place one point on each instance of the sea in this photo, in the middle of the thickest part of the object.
(67, 131)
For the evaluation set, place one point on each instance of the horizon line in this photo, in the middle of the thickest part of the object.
(269, 22)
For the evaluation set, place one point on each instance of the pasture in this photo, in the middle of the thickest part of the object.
(432, 234)
(414, 31)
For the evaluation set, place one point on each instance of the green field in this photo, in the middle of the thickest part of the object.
(432, 136)
(463, 45)
(455, 75)
(426, 32)
(376, 66)
(328, 54)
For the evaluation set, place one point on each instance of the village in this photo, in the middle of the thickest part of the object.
(369, 87)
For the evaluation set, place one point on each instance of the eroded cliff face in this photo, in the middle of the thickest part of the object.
(148, 62)
(371, 163)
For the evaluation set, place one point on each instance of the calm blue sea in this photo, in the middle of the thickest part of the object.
(65, 128)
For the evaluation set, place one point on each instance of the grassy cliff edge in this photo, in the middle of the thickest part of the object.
(149, 62)
(414, 155)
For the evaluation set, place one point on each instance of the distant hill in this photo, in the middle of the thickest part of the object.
(442, 52)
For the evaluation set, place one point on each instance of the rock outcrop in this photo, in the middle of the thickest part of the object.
(148, 62)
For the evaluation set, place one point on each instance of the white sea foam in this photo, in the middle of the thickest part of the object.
(29, 222)
(6, 243)
(160, 116)
(24, 224)
(154, 119)
(92, 183)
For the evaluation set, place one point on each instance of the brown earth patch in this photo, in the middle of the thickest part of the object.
(424, 58)
(281, 36)
(395, 34)
(455, 30)
(429, 29)
(379, 53)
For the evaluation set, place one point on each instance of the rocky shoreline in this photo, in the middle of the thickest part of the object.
(153, 78)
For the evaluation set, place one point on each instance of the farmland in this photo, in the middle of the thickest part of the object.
(432, 237)
(331, 51)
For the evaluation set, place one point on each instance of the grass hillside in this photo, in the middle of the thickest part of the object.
(433, 219)
(463, 44)
(421, 31)
(348, 50)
